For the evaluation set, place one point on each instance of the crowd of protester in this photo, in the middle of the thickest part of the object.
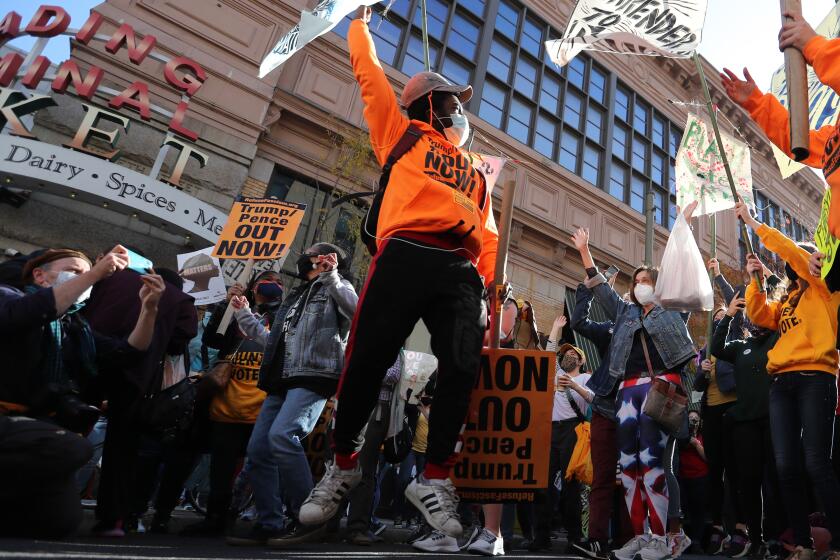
(115, 371)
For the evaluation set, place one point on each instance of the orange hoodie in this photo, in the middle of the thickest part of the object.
(434, 193)
(824, 56)
(806, 321)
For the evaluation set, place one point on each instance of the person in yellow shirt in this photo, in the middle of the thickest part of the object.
(803, 394)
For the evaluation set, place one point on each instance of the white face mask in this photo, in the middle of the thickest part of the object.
(643, 293)
(459, 131)
(66, 275)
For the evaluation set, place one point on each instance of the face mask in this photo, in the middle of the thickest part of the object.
(569, 363)
(270, 290)
(459, 131)
(66, 275)
(643, 293)
(304, 266)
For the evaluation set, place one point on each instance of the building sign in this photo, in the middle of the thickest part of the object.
(58, 170)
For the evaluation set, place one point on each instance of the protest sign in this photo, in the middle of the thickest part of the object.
(823, 239)
(700, 174)
(259, 229)
(507, 437)
(417, 368)
(321, 19)
(233, 271)
(823, 101)
(490, 167)
(645, 27)
(316, 444)
(202, 276)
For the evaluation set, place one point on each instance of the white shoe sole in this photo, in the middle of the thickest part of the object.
(453, 549)
(421, 507)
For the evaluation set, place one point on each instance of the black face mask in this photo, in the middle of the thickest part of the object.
(304, 266)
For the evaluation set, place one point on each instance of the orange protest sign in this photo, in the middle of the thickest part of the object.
(259, 228)
(506, 442)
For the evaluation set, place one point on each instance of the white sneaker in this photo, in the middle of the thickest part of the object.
(437, 542)
(438, 502)
(323, 501)
(631, 549)
(475, 532)
(656, 549)
(678, 544)
(488, 544)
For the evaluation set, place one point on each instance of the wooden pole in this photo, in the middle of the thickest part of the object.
(501, 263)
(796, 75)
(228, 316)
(745, 236)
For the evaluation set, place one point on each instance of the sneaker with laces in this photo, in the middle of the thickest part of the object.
(474, 533)
(593, 548)
(678, 543)
(438, 502)
(420, 532)
(436, 541)
(801, 553)
(740, 544)
(631, 549)
(299, 533)
(718, 542)
(487, 544)
(325, 498)
(657, 549)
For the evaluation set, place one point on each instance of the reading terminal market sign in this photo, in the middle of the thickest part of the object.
(78, 167)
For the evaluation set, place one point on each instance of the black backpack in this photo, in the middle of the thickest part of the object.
(368, 226)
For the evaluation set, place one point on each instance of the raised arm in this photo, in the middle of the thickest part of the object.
(759, 310)
(719, 347)
(341, 291)
(607, 297)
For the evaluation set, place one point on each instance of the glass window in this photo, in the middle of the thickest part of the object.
(413, 61)
(545, 133)
(455, 70)
(575, 70)
(637, 193)
(674, 140)
(463, 37)
(343, 27)
(659, 199)
(386, 37)
(507, 20)
(519, 121)
(569, 149)
(640, 117)
(500, 61)
(618, 180)
(573, 109)
(475, 6)
(532, 37)
(788, 224)
(550, 94)
(595, 123)
(591, 163)
(659, 131)
(597, 84)
(622, 105)
(640, 151)
(672, 178)
(437, 13)
(672, 212)
(621, 138)
(657, 167)
(401, 8)
(526, 77)
(493, 99)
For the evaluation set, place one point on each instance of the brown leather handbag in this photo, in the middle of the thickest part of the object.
(665, 402)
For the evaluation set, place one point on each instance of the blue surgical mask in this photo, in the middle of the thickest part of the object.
(270, 290)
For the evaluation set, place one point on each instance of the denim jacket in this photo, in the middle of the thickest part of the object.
(315, 346)
(667, 329)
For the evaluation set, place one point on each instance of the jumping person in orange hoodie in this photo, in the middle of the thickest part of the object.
(803, 394)
(435, 240)
(824, 56)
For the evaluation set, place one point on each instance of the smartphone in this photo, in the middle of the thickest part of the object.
(138, 263)
(611, 271)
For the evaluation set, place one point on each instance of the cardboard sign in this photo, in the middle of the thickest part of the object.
(202, 276)
(417, 368)
(700, 174)
(316, 444)
(823, 239)
(490, 167)
(259, 229)
(651, 27)
(507, 438)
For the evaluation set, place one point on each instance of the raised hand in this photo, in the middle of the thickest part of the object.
(581, 238)
(743, 212)
(737, 89)
(796, 32)
(151, 291)
(714, 267)
(737, 304)
(363, 13)
(815, 262)
(116, 259)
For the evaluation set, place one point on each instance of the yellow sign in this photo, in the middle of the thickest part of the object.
(507, 438)
(825, 242)
(259, 229)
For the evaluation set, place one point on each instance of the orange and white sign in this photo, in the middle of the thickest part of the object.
(259, 229)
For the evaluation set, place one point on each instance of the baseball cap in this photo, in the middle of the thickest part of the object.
(565, 347)
(423, 82)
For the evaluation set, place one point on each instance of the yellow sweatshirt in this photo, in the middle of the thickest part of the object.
(806, 320)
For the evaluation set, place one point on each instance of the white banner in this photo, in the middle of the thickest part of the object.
(700, 173)
(202, 276)
(324, 17)
(418, 367)
(823, 102)
(647, 27)
(490, 167)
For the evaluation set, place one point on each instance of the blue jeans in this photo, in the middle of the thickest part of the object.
(276, 454)
(801, 422)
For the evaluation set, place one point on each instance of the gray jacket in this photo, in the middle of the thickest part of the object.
(315, 346)
(667, 329)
